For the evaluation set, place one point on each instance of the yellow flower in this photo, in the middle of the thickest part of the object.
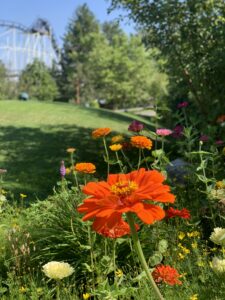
(22, 290)
(220, 184)
(193, 234)
(181, 235)
(71, 150)
(181, 256)
(194, 297)
(23, 196)
(194, 245)
(116, 147)
(86, 296)
(184, 249)
(57, 270)
(117, 138)
(119, 273)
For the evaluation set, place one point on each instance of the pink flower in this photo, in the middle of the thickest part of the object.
(163, 131)
(182, 104)
(136, 126)
(62, 169)
(178, 131)
(219, 142)
(204, 138)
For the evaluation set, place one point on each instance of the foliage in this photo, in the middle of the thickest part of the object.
(124, 73)
(7, 86)
(105, 64)
(37, 81)
(190, 34)
(78, 43)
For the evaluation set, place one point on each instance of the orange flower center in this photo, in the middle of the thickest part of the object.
(124, 188)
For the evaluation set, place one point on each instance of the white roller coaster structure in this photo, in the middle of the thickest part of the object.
(20, 45)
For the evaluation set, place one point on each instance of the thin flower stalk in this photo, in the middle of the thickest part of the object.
(141, 256)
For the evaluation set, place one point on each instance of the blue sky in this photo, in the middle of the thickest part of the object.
(58, 12)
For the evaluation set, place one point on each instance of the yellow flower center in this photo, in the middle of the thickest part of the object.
(124, 188)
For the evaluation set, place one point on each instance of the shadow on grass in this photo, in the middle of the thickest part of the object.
(32, 156)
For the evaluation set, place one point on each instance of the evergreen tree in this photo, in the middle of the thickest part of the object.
(79, 41)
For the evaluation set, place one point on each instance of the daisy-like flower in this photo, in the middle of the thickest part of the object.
(100, 132)
(166, 274)
(119, 230)
(123, 193)
(116, 147)
(136, 126)
(141, 142)
(218, 236)
(183, 213)
(117, 138)
(163, 131)
(87, 168)
(71, 150)
(57, 270)
(218, 265)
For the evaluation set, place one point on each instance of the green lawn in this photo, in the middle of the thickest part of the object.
(34, 137)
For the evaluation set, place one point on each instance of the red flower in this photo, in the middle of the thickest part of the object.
(120, 229)
(123, 193)
(166, 274)
(183, 213)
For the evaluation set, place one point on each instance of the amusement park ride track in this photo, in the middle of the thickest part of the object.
(40, 28)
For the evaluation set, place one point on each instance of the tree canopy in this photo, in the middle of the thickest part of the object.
(37, 81)
(191, 35)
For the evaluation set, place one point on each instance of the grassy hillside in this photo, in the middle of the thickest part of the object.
(34, 137)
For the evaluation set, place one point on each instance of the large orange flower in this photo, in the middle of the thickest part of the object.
(122, 193)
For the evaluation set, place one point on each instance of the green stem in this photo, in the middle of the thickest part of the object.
(141, 256)
(107, 154)
(127, 159)
(73, 172)
(91, 256)
(139, 158)
(119, 162)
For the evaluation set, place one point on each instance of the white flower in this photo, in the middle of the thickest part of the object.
(218, 236)
(218, 265)
(57, 270)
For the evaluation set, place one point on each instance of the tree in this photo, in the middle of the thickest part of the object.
(7, 87)
(78, 43)
(37, 81)
(191, 35)
(124, 73)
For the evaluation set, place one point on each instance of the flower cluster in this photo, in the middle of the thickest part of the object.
(166, 274)
(183, 213)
